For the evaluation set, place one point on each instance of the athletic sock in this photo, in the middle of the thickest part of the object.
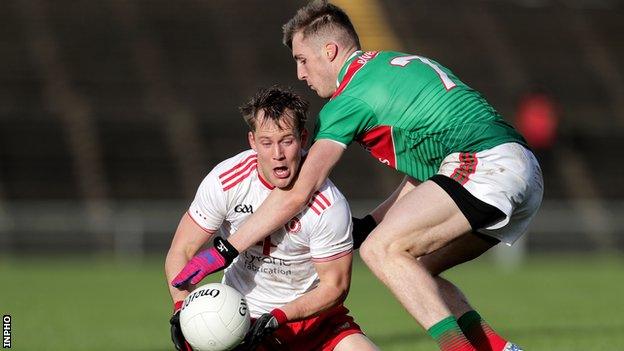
(449, 336)
(480, 334)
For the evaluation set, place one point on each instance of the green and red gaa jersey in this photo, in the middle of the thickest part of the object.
(409, 112)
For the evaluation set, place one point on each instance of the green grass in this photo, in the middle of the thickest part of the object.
(555, 303)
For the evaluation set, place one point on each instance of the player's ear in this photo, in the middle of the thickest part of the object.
(252, 140)
(331, 51)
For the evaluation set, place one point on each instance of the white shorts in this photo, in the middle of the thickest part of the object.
(507, 177)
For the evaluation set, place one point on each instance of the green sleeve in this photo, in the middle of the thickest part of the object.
(343, 119)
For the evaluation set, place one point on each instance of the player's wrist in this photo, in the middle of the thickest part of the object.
(214, 259)
(280, 316)
(225, 249)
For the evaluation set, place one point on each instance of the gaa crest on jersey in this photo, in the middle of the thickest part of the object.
(293, 226)
(242, 208)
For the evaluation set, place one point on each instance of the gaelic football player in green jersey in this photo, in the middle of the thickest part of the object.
(470, 180)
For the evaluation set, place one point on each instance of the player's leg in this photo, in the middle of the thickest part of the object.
(441, 211)
(421, 222)
(465, 248)
(356, 342)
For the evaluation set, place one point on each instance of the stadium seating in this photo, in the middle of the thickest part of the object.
(130, 67)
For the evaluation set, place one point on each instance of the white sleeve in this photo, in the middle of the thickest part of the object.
(332, 238)
(209, 208)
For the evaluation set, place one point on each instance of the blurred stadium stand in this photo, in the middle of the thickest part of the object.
(111, 112)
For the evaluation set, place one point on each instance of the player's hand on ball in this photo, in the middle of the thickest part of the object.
(176, 332)
(361, 228)
(206, 262)
(262, 329)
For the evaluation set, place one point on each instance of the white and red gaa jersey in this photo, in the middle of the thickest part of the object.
(280, 268)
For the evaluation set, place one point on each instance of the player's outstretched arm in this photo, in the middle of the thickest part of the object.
(284, 204)
(188, 238)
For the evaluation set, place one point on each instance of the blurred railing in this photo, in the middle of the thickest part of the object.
(133, 228)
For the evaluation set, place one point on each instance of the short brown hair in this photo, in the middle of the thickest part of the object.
(274, 101)
(320, 16)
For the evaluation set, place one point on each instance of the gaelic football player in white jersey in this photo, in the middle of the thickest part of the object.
(297, 278)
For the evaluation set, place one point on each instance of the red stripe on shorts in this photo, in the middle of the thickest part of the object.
(467, 166)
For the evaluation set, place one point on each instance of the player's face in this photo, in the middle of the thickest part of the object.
(278, 148)
(313, 65)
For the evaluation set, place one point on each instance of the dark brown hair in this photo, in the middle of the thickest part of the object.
(321, 16)
(274, 101)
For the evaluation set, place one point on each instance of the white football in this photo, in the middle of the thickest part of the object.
(214, 317)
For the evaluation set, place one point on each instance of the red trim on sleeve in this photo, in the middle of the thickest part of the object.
(209, 231)
(332, 257)
(177, 305)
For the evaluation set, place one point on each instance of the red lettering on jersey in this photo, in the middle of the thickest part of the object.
(379, 143)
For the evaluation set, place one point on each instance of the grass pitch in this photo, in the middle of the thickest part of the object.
(556, 303)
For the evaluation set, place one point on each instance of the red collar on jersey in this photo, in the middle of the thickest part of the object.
(264, 181)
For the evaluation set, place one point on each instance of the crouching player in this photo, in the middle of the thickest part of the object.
(297, 278)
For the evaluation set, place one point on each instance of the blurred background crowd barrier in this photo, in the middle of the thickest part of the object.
(111, 111)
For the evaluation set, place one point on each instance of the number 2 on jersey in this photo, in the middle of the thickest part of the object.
(403, 61)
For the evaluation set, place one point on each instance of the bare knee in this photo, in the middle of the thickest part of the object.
(373, 251)
(369, 251)
(376, 249)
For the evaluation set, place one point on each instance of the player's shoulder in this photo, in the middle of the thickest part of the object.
(326, 198)
(230, 172)
(387, 57)
(366, 74)
(385, 64)
(372, 61)
(387, 54)
(231, 164)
